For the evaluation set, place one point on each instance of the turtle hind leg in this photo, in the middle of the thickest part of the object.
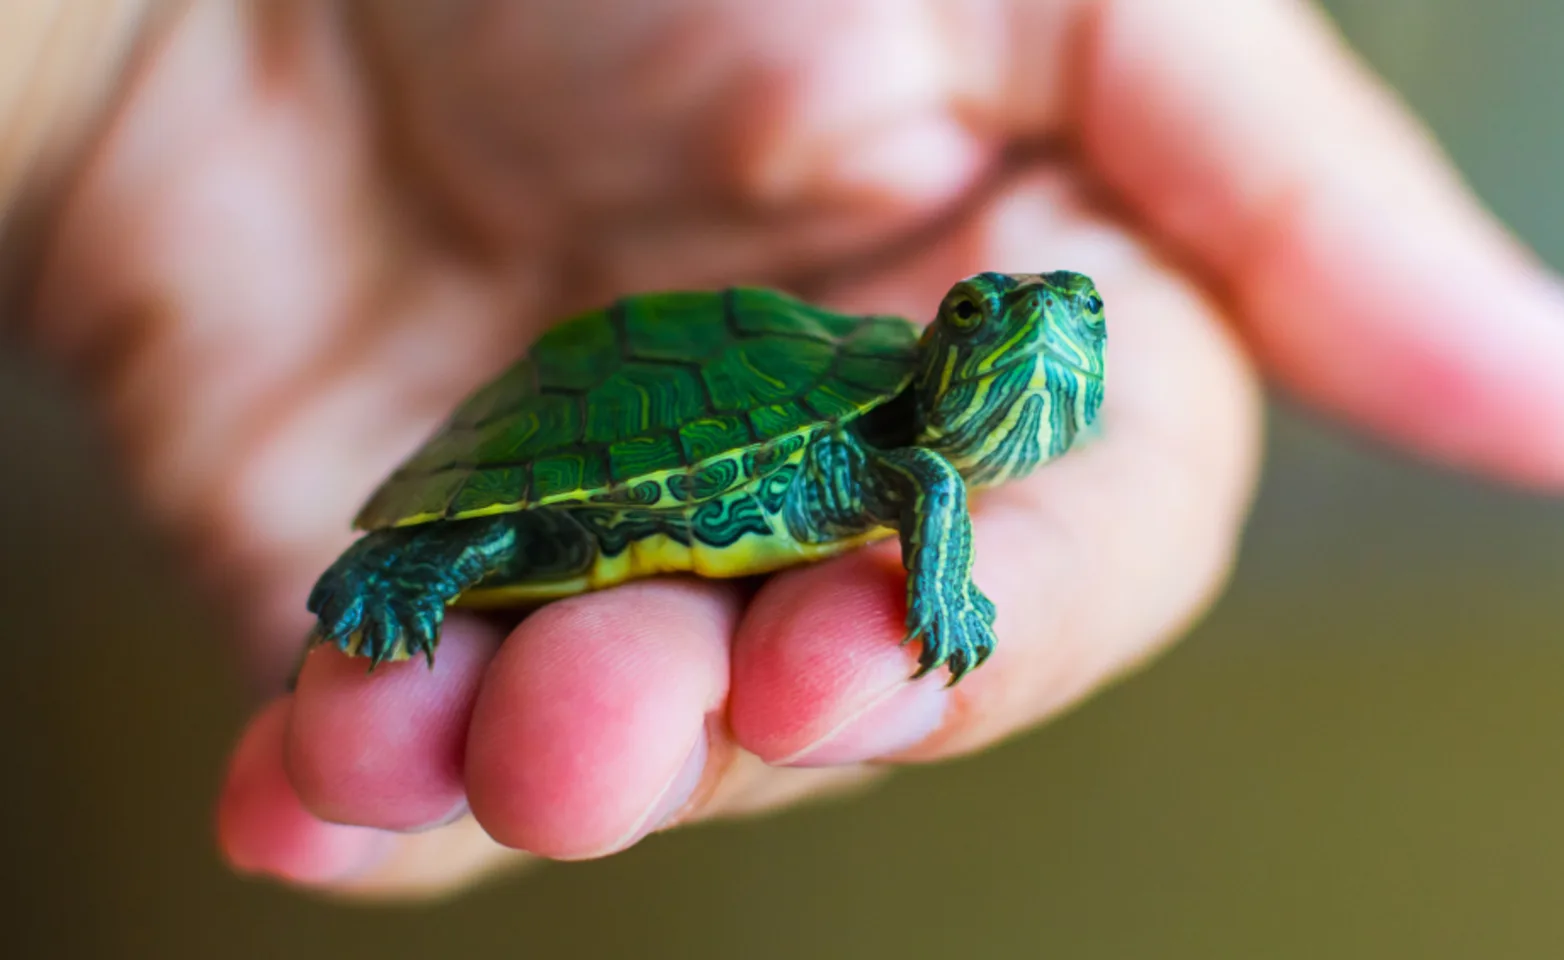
(385, 597)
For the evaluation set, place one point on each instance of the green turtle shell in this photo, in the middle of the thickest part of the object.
(657, 399)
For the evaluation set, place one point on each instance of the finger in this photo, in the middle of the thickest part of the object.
(262, 827)
(1092, 562)
(597, 721)
(1365, 275)
(385, 749)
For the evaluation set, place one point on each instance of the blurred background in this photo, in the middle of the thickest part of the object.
(1356, 755)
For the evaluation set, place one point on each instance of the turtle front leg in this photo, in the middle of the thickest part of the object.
(385, 597)
(926, 498)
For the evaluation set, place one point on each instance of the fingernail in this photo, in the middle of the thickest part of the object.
(457, 812)
(671, 801)
(899, 719)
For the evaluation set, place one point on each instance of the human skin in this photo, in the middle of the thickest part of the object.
(304, 234)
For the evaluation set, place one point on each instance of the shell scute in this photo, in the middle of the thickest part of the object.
(867, 371)
(781, 418)
(639, 456)
(546, 422)
(674, 327)
(891, 338)
(500, 395)
(484, 488)
(759, 372)
(768, 312)
(641, 398)
(576, 355)
(709, 436)
(562, 473)
(835, 400)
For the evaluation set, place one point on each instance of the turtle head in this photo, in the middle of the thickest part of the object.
(1011, 370)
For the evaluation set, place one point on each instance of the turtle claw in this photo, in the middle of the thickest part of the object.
(396, 630)
(381, 636)
(958, 635)
(364, 611)
(342, 631)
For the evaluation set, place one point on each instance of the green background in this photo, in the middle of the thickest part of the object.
(1356, 755)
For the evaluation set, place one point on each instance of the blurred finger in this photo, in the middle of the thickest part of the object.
(385, 749)
(1365, 274)
(263, 827)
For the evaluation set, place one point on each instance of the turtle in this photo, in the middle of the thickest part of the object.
(727, 433)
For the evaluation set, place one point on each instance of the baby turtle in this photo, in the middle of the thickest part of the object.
(727, 433)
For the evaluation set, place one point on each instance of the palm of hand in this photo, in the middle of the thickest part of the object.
(278, 284)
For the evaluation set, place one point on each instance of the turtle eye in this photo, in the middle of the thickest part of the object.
(963, 312)
(1094, 303)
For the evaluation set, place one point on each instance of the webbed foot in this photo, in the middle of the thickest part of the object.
(379, 601)
(385, 597)
(956, 628)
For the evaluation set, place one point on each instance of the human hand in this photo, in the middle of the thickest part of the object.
(305, 238)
